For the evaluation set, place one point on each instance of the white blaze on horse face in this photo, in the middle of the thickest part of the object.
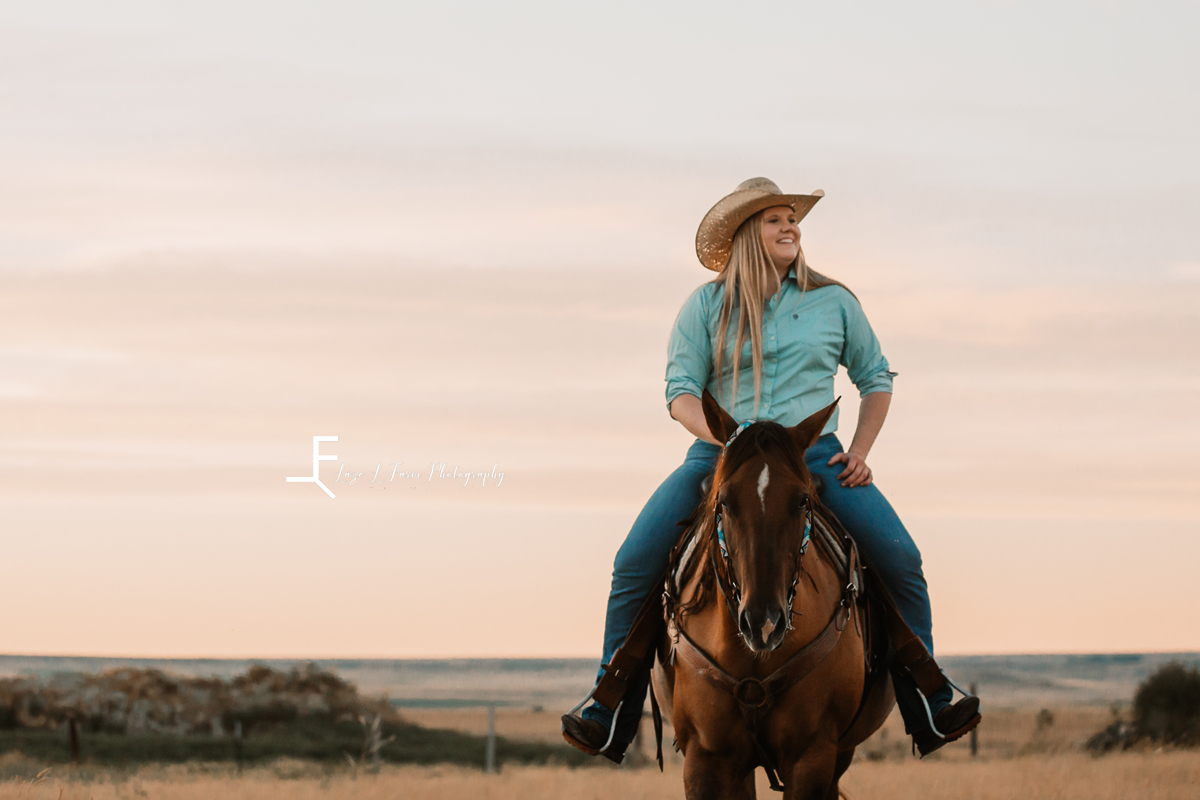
(762, 486)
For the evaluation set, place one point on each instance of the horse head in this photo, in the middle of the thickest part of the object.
(762, 498)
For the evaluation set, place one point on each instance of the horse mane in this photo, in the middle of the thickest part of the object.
(698, 545)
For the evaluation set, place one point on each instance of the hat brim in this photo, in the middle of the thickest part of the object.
(714, 237)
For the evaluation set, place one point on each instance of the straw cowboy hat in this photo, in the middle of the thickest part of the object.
(714, 238)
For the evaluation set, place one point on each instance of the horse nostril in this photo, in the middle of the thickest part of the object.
(746, 625)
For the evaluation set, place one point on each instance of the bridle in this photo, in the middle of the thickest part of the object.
(727, 580)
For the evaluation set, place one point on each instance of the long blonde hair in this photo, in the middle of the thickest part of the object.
(750, 280)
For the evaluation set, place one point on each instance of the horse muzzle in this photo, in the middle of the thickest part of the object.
(763, 631)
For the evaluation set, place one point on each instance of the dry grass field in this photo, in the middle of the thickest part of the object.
(1019, 757)
(1075, 776)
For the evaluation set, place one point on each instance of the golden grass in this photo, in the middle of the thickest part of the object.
(1004, 733)
(1075, 776)
(1163, 776)
(1017, 759)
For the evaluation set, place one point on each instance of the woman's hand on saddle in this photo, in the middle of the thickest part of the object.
(856, 473)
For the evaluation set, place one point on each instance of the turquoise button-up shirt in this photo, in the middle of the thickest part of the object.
(806, 335)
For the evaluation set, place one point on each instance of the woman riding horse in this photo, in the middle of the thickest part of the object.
(800, 326)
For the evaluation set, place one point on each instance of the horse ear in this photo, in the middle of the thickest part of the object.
(720, 424)
(808, 431)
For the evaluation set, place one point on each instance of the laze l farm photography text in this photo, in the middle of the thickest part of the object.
(385, 476)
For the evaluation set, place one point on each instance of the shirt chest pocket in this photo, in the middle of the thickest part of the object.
(812, 333)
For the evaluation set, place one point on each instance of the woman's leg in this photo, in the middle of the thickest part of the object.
(891, 552)
(639, 565)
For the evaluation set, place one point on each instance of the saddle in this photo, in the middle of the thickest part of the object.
(888, 643)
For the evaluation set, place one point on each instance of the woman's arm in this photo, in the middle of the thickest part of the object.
(871, 414)
(689, 363)
(687, 409)
(869, 371)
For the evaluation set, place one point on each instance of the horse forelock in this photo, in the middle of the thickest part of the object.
(768, 439)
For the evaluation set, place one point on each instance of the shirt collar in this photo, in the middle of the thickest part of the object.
(774, 299)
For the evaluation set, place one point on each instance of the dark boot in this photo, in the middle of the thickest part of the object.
(589, 736)
(954, 721)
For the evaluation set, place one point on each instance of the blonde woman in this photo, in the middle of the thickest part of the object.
(786, 330)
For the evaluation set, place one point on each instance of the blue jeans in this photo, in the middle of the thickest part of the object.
(867, 515)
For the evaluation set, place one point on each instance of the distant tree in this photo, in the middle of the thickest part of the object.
(1166, 707)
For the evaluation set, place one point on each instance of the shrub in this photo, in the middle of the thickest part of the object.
(1166, 707)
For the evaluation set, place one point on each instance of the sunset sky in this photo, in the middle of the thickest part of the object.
(460, 232)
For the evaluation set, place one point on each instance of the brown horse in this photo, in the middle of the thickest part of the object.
(764, 662)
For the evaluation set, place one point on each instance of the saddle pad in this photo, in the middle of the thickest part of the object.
(833, 544)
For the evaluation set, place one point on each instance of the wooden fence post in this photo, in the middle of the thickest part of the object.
(237, 744)
(489, 756)
(975, 730)
(73, 737)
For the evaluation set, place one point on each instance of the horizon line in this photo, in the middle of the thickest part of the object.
(315, 659)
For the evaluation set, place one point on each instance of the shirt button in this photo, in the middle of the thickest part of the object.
(795, 316)
(772, 338)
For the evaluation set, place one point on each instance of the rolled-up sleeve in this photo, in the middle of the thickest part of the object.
(689, 350)
(861, 354)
